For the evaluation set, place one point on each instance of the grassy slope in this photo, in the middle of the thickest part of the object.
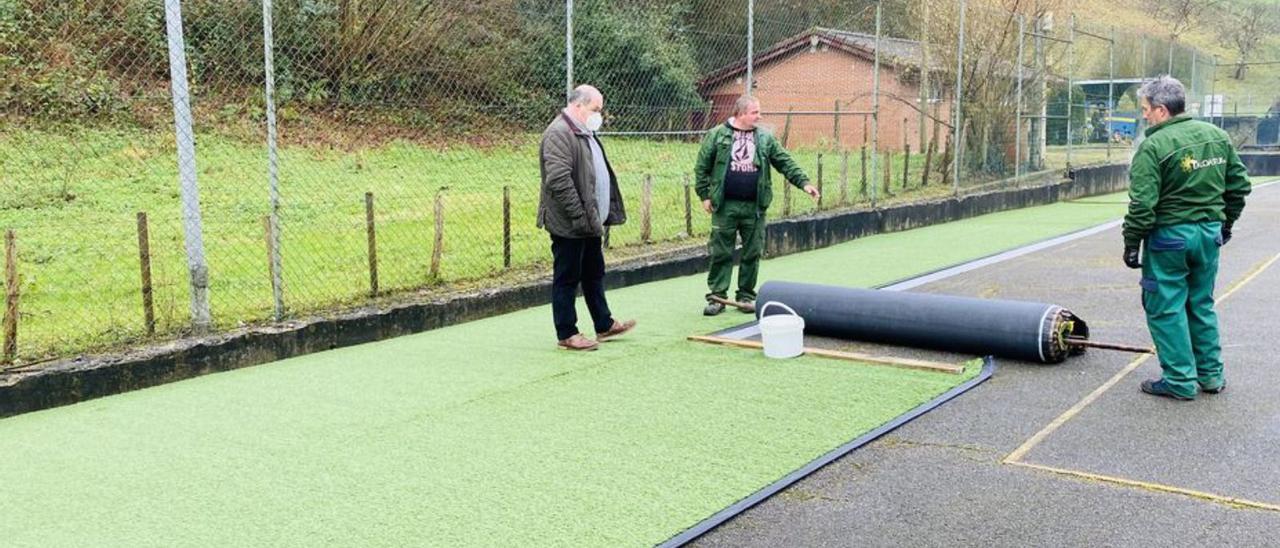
(1261, 83)
(73, 200)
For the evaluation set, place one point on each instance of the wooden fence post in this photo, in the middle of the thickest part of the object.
(437, 249)
(888, 177)
(646, 209)
(835, 125)
(863, 164)
(786, 127)
(906, 167)
(786, 198)
(144, 263)
(688, 207)
(819, 185)
(11, 291)
(371, 235)
(506, 226)
(844, 177)
(928, 164)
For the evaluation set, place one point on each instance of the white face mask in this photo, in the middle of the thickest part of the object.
(594, 121)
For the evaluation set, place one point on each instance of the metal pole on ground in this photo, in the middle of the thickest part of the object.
(1213, 90)
(1017, 133)
(875, 105)
(273, 172)
(1071, 73)
(959, 102)
(568, 48)
(197, 268)
(1111, 79)
(751, 44)
(1142, 66)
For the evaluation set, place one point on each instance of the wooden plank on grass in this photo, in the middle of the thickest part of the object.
(905, 363)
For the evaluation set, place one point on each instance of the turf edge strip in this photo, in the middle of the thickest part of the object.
(702, 527)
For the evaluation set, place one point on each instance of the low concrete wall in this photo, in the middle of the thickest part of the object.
(79, 379)
(1261, 164)
(804, 234)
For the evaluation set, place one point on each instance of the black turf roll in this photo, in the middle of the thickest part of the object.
(1011, 329)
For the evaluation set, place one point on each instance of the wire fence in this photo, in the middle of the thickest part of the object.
(172, 167)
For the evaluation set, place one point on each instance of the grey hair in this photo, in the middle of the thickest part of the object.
(1165, 91)
(743, 103)
(583, 95)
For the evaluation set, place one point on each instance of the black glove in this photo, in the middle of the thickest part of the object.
(1132, 257)
(1226, 233)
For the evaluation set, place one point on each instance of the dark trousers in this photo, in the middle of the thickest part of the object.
(578, 261)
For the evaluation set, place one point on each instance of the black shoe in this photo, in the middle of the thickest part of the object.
(713, 309)
(1159, 388)
(1215, 390)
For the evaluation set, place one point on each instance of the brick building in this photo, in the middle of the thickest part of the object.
(820, 72)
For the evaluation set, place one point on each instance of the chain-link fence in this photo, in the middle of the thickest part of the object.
(175, 166)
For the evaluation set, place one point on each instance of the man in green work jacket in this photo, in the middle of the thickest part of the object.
(733, 182)
(1187, 187)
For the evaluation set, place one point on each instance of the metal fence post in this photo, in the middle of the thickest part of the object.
(1111, 84)
(1071, 84)
(875, 106)
(1192, 87)
(1213, 89)
(1017, 132)
(273, 173)
(197, 268)
(751, 39)
(959, 98)
(568, 48)
(1142, 69)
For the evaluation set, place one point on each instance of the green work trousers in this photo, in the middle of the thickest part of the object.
(734, 218)
(1179, 265)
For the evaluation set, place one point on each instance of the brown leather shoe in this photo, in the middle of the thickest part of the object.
(578, 342)
(616, 331)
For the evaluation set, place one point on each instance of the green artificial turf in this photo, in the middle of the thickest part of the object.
(482, 433)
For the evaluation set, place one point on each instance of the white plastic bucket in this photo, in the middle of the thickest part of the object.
(783, 334)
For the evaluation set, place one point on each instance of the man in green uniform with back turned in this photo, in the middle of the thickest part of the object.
(733, 182)
(1186, 189)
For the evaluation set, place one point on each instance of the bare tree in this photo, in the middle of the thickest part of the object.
(1181, 15)
(1244, 30)
(990, 73)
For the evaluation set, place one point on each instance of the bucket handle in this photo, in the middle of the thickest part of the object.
(773, 303)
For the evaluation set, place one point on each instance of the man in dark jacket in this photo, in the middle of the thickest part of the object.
(733, 182)
(1187, 187)
(579, 198)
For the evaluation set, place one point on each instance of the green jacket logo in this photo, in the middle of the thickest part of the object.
(1190, 163)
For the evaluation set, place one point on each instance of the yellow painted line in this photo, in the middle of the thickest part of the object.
(1016, 456)
(1158, 487)
(1257, 270)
